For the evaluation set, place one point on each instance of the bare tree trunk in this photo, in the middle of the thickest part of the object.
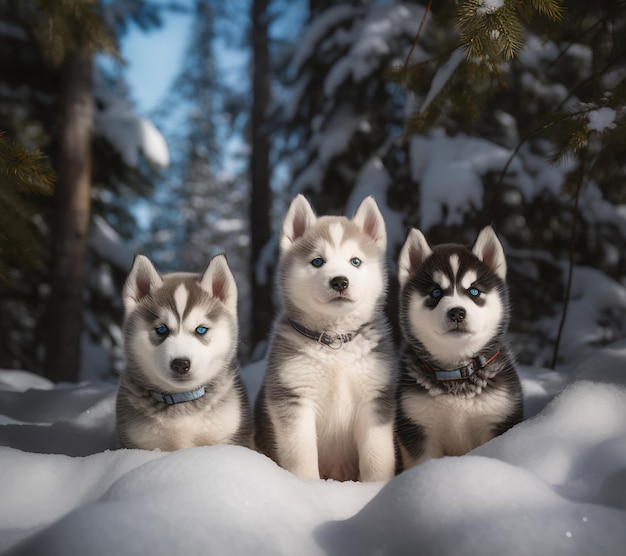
(70, 220)
(260, 203)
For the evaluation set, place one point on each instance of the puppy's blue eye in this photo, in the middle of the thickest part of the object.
(474, 292)
(317, 262)
(355, 261)
(201, 330)
(436, 293)
(162, 330)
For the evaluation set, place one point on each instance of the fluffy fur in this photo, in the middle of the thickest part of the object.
(327, 411)
(454, 308)
(181, 334)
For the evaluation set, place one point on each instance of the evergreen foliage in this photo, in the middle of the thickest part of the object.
(25, 175)
(199, 209)
(33, 38)
(515, 107)
(490, 34)
(63, 26)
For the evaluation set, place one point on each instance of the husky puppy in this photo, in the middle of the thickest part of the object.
(181, 385)
(458, 386)
(327, 402)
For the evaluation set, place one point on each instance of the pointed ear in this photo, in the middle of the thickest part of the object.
(142, 280)
(371, 221)
(488, 249)
(414, 252)
(298, 219)
(219, 282)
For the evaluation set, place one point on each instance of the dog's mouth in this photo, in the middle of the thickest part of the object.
(457, 330)
(340, 298)
(181, 379)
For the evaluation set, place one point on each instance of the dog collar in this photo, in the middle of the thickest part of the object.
(333, 340)
(178, 397)
(475, 364)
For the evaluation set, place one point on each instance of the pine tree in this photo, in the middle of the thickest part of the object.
(455, 129)
(200, 208)
(71, 219)
(261, 309)
(70, 33)
(341, 112)
(583, 122)
(32, 41)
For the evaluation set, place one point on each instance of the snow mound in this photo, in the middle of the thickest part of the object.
(554, 484)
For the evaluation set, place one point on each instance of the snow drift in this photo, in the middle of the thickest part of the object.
(555, 484)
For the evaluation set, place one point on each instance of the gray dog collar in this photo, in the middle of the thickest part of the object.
(464, 372)
(333, 340)
(178, 397)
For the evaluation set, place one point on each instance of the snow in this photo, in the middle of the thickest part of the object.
(594, 314)
(338, 133)
(489, 6)
(601, 119)
(108, 244)
(370, 42)
(374, 180)
(320, 27)
(442, 77)
(367, 41)
(129, 134)
(450, 171)
(554, 484)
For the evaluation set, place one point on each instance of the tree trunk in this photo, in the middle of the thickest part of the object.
(260, 203)
(70, 220)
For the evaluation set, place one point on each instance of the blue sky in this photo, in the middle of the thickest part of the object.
(153, 59)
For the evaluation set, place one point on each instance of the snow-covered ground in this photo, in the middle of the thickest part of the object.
(555, 484)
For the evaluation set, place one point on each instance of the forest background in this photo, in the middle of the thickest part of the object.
(504, 112)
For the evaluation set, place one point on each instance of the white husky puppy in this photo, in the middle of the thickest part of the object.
(326, 406)
(181, 386)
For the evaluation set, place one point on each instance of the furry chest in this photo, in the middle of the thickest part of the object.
(453, 424)
(335, 380)
(340, 386)
(176, 428)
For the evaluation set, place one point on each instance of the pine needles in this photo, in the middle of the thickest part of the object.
(66, 25)
(490, 33)
(24, 175)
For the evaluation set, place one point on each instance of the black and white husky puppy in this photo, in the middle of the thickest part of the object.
(327, 403)
(458, 386)
(181, 385)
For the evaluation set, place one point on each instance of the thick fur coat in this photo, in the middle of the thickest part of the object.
(181, 336)
(458, 386)
(327, 402)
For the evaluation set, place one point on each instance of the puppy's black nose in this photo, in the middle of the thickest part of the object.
(180, 366)
(456, 314)
(339, 283)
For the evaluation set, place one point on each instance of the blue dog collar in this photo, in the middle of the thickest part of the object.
(464, 372)
(178, 397)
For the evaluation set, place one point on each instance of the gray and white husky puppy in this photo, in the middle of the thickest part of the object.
(327, 403)
(458, 386)
(181, 385)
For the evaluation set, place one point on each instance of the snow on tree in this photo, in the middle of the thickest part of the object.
(491, 95)
(29, 104)
(200, 209)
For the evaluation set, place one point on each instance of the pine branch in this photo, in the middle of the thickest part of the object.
(25, 174)
(25, 170)
(67, 25)
(417, 35)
